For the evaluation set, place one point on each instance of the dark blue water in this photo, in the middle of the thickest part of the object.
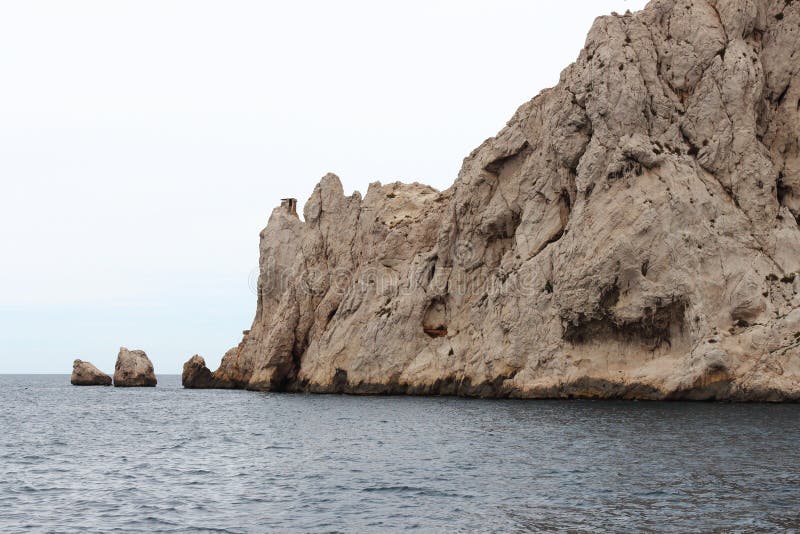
(166, 459)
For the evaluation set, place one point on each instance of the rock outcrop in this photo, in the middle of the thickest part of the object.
(197, 376)
(133, 369)
(631, 233)
(86, 374)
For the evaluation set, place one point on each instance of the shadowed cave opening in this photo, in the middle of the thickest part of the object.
(434, 320)
(654, 327)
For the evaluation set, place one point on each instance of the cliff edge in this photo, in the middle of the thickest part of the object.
(631, 233)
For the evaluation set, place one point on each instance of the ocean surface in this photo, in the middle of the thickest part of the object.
(83, 459)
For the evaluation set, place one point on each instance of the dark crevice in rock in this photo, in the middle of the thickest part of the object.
(654, 327)
(729, 191)
(441, 331)
(552, 240)
(694, 150)
(783, 190)
(565, 200)
(339, 382)
(629, 166)
(331, 315)
(285, 373)
(782, 96)
(432, 269)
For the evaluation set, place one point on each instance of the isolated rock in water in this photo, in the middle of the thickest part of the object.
(631, 233)
(197, 375)
(133, 369)
(86, 374)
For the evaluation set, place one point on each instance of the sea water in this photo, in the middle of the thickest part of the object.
(78, 459)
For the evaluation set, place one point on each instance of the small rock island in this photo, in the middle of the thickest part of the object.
(86, 374)
(133, 369)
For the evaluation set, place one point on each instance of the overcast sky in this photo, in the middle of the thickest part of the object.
(144, 143)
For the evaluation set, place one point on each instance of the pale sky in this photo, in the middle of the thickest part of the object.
(144, 143)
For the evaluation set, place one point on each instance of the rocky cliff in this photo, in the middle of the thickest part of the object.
(631, 233)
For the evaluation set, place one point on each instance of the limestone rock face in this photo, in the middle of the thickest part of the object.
(631, 233)
(133, 369)
(86, 374)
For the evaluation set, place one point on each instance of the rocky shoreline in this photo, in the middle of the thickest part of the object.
(583, 388)
(631, 233)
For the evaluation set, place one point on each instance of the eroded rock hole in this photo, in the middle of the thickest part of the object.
(434, 321)
(654, 327)
(340, 381)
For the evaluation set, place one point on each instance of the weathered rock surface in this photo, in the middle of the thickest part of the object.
(197, 376)
(631, 233)
(86, 374)
(133, 369)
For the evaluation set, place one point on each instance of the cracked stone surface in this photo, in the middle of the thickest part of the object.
(630, 233)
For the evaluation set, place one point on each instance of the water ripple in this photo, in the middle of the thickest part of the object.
(173, 460)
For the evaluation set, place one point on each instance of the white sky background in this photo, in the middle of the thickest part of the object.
(144, 143)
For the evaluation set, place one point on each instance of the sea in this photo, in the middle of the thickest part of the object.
(166, 459)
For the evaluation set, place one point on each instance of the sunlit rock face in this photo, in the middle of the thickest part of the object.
(631, 233)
